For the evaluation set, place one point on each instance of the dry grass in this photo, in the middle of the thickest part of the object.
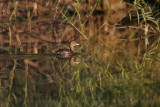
(119, 60)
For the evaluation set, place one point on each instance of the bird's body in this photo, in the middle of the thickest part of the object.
(66, 53)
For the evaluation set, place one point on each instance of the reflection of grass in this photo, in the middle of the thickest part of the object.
(95, 87)
(100, 89)
(120, 67)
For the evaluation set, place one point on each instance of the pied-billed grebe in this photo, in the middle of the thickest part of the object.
(66, 53)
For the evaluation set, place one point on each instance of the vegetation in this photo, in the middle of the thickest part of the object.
(119, 55)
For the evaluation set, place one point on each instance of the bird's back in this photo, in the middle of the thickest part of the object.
(64, 53)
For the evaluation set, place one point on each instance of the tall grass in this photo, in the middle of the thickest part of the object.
(119, 54)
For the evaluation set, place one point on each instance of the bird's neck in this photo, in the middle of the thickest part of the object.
(72, 48)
